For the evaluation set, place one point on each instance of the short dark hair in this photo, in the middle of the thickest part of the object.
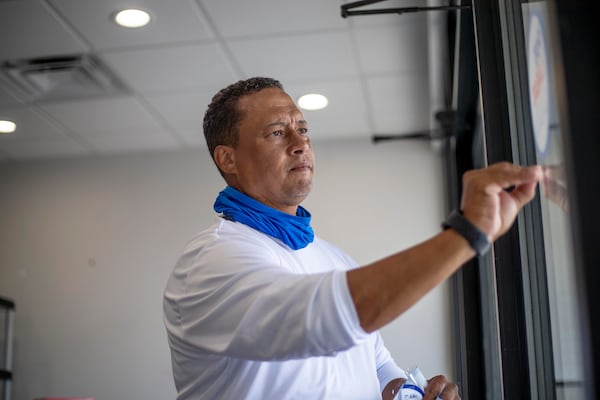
(222, 116)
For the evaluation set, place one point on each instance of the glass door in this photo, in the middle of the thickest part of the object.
(529, 307)
(565, 318)
(554, 282)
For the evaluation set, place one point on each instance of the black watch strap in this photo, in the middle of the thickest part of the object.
(476, 238)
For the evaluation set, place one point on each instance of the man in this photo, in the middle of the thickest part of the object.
(258, 307)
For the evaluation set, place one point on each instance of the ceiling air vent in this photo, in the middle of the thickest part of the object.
(61, 78)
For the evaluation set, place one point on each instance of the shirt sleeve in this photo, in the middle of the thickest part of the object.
(387, 369)
(232, 298)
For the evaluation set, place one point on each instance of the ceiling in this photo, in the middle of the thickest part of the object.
(374, 70)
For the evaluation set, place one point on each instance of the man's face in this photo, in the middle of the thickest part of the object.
(273, 161)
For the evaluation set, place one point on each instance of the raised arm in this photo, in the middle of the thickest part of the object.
(383, 290)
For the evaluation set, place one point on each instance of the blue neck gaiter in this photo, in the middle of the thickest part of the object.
(293, 230)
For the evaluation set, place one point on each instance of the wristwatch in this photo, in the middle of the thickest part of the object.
(476, 238)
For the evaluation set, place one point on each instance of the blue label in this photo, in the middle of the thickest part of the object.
(410, 392)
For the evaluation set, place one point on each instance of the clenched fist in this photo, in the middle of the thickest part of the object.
(493, 196)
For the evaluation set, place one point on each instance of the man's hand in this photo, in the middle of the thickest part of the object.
(392, 388)
(437, 387)
(493, 196)
(440, 386)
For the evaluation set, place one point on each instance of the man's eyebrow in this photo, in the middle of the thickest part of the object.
(276, 123)
(284, 123)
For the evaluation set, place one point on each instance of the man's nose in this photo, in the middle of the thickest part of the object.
(300, 143)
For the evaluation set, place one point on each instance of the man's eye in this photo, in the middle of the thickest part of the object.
(277, 133)
(303, 131)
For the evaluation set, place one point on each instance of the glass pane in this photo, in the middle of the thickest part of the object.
(564, 312)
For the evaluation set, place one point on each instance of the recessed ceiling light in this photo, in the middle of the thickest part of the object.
(313, 101)
(7, 126)
(132, 18)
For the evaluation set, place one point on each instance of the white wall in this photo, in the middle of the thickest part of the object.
(86, 246)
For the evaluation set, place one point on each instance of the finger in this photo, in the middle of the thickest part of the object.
(435, 387)
(506, 175)
(498, 178)
(523, 193)
(440, 387)
(450, 392)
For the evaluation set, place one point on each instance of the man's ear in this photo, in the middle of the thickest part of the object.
(225, 159)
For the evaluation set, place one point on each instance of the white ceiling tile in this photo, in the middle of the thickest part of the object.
(399, 103)
(183, 110)
(113, 125)
(42, 148)
(89, 117)
(392, 48)
(234, 18)
(7, 98)
(311, 56)
(345, 115)
(172, 68)
(172, 22)
(133, 140)
(28, 29)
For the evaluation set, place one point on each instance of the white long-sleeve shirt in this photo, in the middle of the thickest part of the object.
(249, 318)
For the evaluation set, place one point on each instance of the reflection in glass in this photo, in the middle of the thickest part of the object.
(554, 186)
